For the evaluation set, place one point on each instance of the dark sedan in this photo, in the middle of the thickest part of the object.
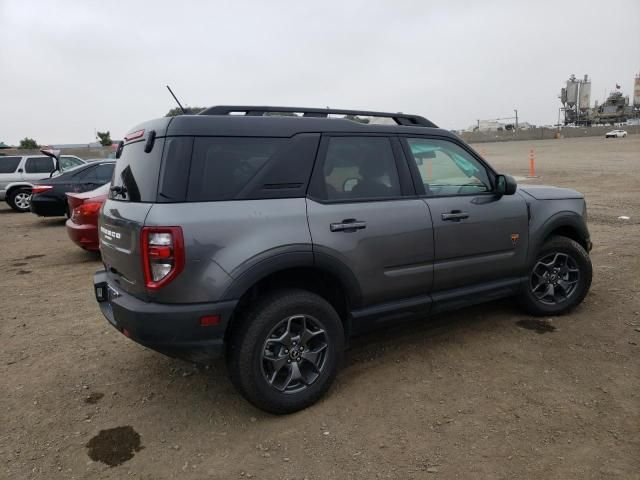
(49, 196)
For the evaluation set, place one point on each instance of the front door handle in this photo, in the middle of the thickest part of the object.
(348, 225)
(454, 216)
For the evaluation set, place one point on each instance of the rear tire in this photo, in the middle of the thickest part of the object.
(286, 350)
(20, 199)
(559, 278)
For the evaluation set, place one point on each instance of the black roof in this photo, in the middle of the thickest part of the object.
(219, 121)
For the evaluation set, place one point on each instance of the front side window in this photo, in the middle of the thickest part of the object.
(39, 165)
(357, 168)
(447, 169)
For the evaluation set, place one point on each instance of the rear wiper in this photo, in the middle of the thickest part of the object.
(117, 190)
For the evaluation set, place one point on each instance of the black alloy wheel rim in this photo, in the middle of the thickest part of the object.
(554, 278)
(294, 354)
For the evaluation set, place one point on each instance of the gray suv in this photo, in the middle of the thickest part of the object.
(270, 235)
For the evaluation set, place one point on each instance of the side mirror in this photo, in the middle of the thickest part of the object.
(505, 185)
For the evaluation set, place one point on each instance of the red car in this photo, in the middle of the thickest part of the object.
(84, 209)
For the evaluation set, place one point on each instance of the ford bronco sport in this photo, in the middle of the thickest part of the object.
(270, 234)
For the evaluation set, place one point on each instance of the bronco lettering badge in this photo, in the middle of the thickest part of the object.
(110, 234)
(514, 238)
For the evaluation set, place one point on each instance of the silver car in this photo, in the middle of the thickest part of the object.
(18, 172)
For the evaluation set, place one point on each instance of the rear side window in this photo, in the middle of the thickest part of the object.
(136, 172)
(39, 165)
(67, 163)
(357, 168)
(222, 166)
(104, 172)
(99, 173)
(9, 164)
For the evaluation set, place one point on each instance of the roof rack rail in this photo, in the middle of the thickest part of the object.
(252, 110)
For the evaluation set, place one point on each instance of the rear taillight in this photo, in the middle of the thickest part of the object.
(86, 213)
(162, 255)
(40, 188)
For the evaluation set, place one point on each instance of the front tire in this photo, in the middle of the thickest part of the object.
(20, 199)
(286, 350)
(559, 278)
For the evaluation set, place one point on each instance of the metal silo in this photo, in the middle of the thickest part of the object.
(585, 93)
(563, 96)
(572, 91)
(636, 91)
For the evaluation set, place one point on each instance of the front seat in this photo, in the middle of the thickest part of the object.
(372, 177)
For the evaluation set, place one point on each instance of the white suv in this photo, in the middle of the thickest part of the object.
(18, 172)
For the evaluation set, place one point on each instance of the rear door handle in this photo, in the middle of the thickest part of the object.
(454, 216)
(348, 225)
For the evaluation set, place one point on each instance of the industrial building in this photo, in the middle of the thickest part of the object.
(576, 104)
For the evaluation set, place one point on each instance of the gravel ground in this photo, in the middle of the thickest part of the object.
(485, 392)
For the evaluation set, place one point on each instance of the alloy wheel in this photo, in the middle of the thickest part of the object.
(554, 278)
(22, 200)
(294, 354)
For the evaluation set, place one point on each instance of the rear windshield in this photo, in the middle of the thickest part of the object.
(9, 164)
(136, 173)
(222, 166)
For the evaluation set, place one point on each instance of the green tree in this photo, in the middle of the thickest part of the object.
(105, 138)
(28, 144)
(174, 112)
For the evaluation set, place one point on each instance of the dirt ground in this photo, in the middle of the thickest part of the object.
(479, 393)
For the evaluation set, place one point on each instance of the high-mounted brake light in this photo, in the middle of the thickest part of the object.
(162, 255)
(40, 188)
(134, 135)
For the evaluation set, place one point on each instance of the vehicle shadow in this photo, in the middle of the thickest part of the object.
(385, 345)
(47, 222)
(428, 331)
(11, 210)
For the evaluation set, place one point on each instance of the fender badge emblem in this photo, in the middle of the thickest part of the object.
(514, 238)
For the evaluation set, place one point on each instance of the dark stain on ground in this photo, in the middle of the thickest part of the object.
(114, 446)
(93, 398)
(538, 326)
(29, 257)
(19, 264)
(23, 272)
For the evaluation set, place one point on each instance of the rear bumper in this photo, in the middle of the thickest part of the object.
(85, 236)
(47, 206)
(171, 329)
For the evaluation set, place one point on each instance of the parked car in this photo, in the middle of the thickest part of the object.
(82, 225)
(17, 174)
(49, 196)
(616, 134)
(269, 239)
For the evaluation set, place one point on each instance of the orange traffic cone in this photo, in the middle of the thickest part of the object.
(532, 164)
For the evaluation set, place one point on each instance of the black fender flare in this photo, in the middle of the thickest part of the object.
(275, 262)
(564, 219)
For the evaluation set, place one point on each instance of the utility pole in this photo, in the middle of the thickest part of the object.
(478, 124)
(516, 118)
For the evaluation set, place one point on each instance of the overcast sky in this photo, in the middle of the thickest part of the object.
(68, 68)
